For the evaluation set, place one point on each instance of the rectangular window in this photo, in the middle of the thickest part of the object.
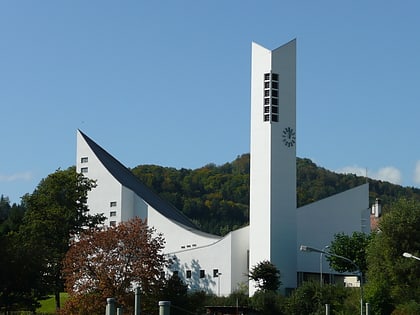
(202, 274)
(216, 273)
(275, 118)
(266, 92)
(274, 93)
(188, 274)
(112, 223)
(84, 170)
(266, 85)
(274, 101)
(266, 101)
(84, 160)
(266, 109)
(266, 76)
(113, 214)
(113, 204)
(274, 110)
(275, 85)
(274, 77)
(266, 117)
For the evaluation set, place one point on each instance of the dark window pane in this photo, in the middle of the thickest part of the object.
(274, 76)
(266, 76)
(274, 109)
(275, 93)
(266, 101)
(202, 274)
(266, 117)
(275, 85)
(274, 118)
(274, 101)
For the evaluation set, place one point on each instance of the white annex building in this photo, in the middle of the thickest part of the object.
(277, 227)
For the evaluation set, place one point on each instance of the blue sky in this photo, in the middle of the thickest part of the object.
(168, 83)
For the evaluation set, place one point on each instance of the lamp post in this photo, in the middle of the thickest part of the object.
(408, 255)
(321, 282)
(305, 248)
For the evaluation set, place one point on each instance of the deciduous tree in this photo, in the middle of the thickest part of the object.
(56, 211)
(266, 276)
(108, 263)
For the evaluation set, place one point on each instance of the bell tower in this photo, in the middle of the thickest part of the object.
(273, 160)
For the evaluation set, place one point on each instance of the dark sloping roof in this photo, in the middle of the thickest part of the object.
(129, 180)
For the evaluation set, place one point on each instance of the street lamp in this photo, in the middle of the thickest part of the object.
(408, 255)
(305, 248)
(320, 265)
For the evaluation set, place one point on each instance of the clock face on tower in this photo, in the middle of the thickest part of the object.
(289, 137)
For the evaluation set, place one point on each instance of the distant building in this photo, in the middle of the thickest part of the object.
(277, 227)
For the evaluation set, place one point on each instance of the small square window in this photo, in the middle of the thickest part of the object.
(113, 204)
(266, 109)
(113, 214)
(274, 77)
(84, 170)
(267, 117)
(266, 85)
(266, 92)
(266, 101)
(275, 118)
(216, 273)
(188, 274)
(202, 274)
(275, 101)
(275, 85)
(266, 76)
(275, 110)
(274, 93)
(112, 223)
(84, 160)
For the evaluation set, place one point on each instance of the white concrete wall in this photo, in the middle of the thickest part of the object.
(108, 188)
(177, 236)
(273, 165)
(319, 221)
(227, 255)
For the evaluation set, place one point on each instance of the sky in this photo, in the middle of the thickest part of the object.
(168, 83)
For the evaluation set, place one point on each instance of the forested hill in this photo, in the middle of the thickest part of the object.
(216, 198)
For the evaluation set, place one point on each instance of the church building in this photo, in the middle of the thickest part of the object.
(277, 227)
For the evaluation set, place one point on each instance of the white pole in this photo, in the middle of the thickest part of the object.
(164, 307)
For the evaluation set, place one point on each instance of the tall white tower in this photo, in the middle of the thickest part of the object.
(273, 160)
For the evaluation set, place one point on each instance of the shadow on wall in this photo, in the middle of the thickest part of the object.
(197, 278)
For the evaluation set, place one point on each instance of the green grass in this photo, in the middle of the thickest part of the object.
(48, 305)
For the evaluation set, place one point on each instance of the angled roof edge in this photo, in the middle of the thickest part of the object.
(124, 176)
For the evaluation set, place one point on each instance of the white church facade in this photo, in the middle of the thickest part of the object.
(277, 227)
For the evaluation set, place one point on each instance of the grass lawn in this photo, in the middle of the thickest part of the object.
(48, 305)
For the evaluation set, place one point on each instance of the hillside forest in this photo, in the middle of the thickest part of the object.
(216, 198)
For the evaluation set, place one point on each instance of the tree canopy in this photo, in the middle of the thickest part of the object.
(266, 276)
(107, 263)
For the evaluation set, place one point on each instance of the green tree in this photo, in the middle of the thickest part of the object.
(393, 279)
(56, 212)
(266, 276)
(353, 247)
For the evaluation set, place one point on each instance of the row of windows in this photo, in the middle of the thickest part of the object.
(271, 93)
(202, 273)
